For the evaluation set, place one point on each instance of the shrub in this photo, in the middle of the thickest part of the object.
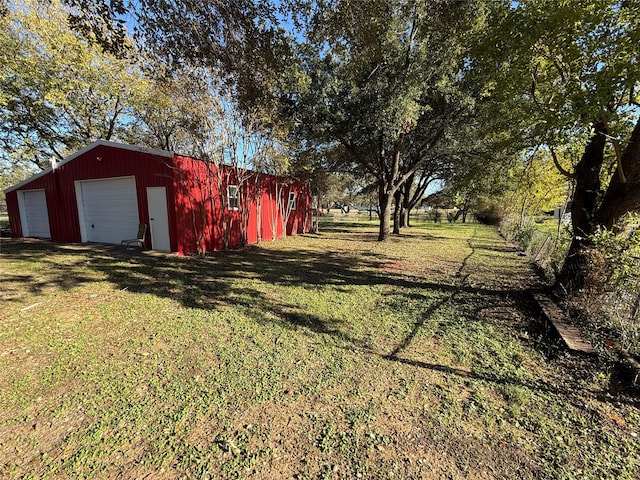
(612, 296)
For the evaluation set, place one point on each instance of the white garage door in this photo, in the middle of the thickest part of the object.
(108, 209)
(33, 213)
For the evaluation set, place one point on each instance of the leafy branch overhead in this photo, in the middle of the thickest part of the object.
(102, 23)
(57, 91)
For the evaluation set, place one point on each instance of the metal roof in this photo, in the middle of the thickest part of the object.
(91, 146)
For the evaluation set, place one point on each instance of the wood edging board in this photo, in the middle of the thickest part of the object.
(570, 334)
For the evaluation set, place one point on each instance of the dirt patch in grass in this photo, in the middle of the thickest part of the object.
(320, 356)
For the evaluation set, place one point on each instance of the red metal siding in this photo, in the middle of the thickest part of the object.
(193, 205)
(100, 162)
(197, 220)
(300, 218)
(14, 214)
(202, 222)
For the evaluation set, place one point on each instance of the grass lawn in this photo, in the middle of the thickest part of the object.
(319, 356)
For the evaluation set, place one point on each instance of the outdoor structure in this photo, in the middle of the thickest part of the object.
(105, 191)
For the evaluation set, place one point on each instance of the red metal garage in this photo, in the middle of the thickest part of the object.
(101, 194)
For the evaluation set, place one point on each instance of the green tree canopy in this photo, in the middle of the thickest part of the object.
(58, 92)
(384, 84)
(240, 42)
(563, 74)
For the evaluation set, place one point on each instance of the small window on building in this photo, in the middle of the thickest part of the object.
(292, 201)
(232, 196)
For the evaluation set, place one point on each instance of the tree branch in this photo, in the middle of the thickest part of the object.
(412, 36)
(558, 166)
(616, 147)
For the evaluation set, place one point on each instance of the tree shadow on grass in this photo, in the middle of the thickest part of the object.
(190, 280)
(568, 392)
(64, 276)
(224, 278)
(346, 226)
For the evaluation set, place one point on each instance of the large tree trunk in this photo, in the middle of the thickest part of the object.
(406, 202)
(397, 197)
(404, 217)
(584, 206)
(384, 200)
(590, 208)
(316, 223)
(465, 209)
(387, 188)
(623, 197)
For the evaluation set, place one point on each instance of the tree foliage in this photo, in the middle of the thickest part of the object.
(179, 112)
(101, 22)
(566, 73)
(57, 91)
(536, 186)
(62, 88)
(240, 42)
(383, 85)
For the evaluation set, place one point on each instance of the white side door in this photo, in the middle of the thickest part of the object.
(158, 218)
